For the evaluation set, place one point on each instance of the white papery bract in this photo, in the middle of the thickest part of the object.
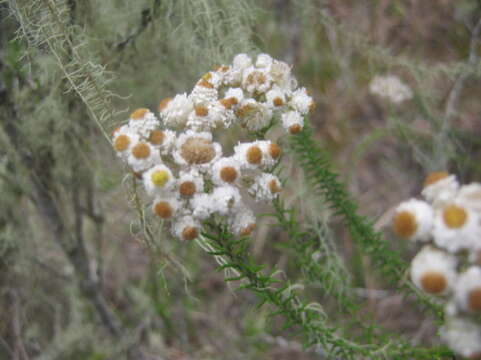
(186, 228)
(276, 97)
(166, 206)
(236, 93)
(243, 223)
(441, 189)
(158, 180)
(204, 93)
(470, 195)
(123, 140)
(292, 121)
(254, 115)
(266, 187)
(163, 140)
(226, 171)
(433, 270)
(226, 200)
(202, 206)
(256, 80)
(241, 62)
(270, 153)
(468, 289)
(264, 61)
(413, 220)
(190, 182)
(175, 113)
(301, 102)
(182, 165)
(463, 336)
(142, 122)
(456, 227)
(281, 75)
(142, 156)
(249, 155)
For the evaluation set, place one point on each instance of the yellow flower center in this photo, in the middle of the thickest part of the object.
(156, 137)
(228, 102)
(190, 233)
(121, 143)
(222, 68)
(160, 178)
(228, 174)
(274, 186)
(405, 224)
(245, 110)
(163, 210)
(295, 129)
(433, 282)
(187, 188)
(254, 155)
(278, 101)
(247, 230)
(205, 83)
(435, 177)
(197, 150)
(454, 216)
(163, 103)
(139, 114)
(474, 299)
(274, 150)
(201, 111)
(141, 151)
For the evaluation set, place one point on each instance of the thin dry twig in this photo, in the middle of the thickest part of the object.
(455, 94)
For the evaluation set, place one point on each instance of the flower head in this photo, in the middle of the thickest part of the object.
(226, 171)
(293, 122)
(243, 223)
(166, 207)
(196, 148)
(182, 165)
(440, 188)
(413, 220)
(301, 101)
(189, 183)
(186, 228)
(266, 187)
(142, 156)
(468, 290)
(433, 271)
(456, 227)
(463, 336)
(391, 88)
(174, 112)
(158, 179)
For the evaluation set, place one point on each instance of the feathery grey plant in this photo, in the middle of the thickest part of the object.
(47, 23)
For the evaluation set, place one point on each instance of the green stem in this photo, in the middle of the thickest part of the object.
(324, 182)
(308, 319)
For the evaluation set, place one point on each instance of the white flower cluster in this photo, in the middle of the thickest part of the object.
(390, 87)
(448, 222)
(186, 172)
